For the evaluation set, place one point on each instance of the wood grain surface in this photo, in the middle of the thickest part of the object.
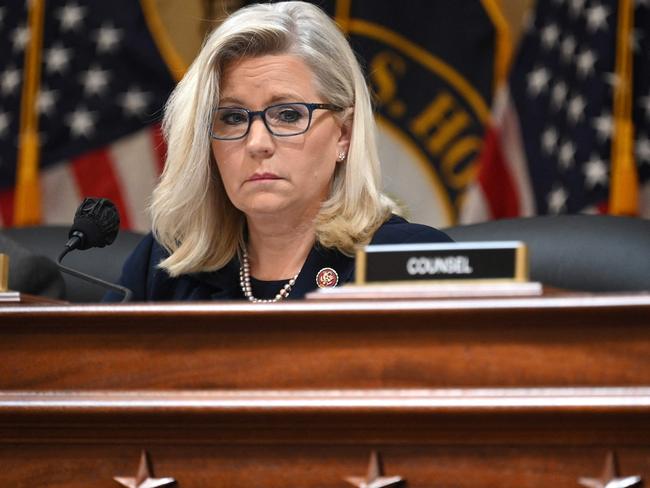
(511, 392)
(464, 438)
(546, 341)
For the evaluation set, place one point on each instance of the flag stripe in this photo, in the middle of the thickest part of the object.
(159, 146)
(644, 200)
(495, 179)
(136, 168)
(61, 193)
(7, 207)
(513, 152)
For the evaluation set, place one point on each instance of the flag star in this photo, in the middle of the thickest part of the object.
(4, 123)
(635, 40)
(567, 49)
(57, 59)
(108, 38)
(597, 18)
(575, 112)
(556, 199)
(550, 36)
(95, 81)
(45, 101)
(643, 149)
(558, 95)
(135, 102)
(537, 81)
(20, 38)
(9, 81)
(567, 154)
(585, 63)
(576, 7)
(644, 103)
(528, 23)
(81, 123)
(612, 79)
(71, 16)
(549, 140)
(595, 171)
(604, 126)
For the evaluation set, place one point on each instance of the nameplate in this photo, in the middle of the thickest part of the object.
(463, 261)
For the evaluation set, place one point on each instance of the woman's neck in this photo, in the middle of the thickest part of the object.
(278, 250)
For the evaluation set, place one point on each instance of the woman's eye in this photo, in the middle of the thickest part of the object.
(289, 115)
(233, 118)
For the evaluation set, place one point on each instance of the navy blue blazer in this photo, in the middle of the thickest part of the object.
(149, 283)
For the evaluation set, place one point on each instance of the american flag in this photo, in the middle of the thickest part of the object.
(103, 83)
(549, 149)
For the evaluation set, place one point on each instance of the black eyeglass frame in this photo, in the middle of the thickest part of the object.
(262, 114)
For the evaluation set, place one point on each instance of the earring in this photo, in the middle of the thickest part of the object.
(341, 156)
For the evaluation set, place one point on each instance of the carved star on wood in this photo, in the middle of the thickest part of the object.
(375, 477)
(145, 477)
(609, 478)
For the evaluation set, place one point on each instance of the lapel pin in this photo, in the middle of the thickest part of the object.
(327, 278)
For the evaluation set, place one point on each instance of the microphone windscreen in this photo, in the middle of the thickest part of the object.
(99, 222)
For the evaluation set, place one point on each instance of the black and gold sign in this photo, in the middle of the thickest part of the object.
(467, 261)
(432, 66)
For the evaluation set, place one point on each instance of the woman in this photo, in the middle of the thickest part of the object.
(272, 175)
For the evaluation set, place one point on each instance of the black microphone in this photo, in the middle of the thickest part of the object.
(96, 224)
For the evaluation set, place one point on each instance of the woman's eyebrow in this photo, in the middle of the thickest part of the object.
(233, 100)
(285, 97)
(278, 98)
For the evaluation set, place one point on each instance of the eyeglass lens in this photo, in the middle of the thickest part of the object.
(285, 119)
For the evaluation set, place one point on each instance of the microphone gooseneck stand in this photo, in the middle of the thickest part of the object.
(90, 279)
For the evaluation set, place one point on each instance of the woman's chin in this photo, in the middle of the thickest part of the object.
(267, 206)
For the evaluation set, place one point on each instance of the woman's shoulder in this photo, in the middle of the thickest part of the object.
(398, 230)
(140, 272)
(149, 249)
(149, 282)
(146, 254)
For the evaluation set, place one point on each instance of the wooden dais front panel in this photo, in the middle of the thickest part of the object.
(546, 341)
(449, 392)
(429, 438)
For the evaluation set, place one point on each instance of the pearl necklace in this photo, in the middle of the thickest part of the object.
(245, 283)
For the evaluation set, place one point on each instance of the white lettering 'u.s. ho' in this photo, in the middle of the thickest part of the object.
(450, 265)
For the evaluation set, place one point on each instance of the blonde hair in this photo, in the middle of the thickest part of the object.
(191, 213)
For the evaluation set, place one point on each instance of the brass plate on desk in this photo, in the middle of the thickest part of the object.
(4, 272)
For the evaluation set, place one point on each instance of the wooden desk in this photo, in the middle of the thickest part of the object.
(523, 392)
(570, 341)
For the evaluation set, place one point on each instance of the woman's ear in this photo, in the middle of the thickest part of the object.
(343, 144)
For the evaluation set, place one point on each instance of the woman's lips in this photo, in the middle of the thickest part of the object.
(263, 176)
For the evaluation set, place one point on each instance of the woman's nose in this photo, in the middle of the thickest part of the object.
(260, 141)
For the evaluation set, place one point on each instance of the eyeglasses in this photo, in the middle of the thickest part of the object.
(281, 120)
